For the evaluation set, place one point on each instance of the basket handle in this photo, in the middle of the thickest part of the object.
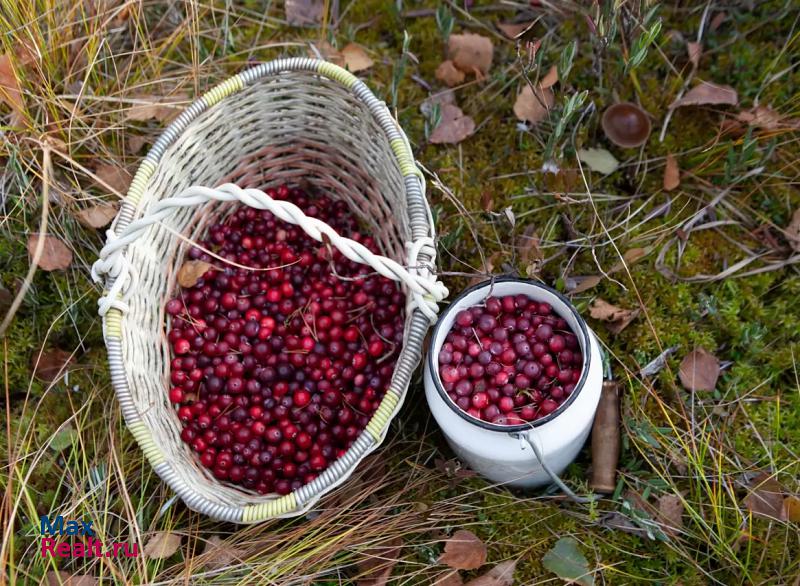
(426, 290)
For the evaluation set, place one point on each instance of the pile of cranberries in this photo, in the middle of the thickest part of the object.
(510, 360)
(278, 367)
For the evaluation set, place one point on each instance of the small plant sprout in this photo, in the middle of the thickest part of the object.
(566, 60)
(641, 44)
(571, 107)
(444, 21)
(400, 68)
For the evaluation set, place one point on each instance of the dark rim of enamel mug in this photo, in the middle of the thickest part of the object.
(433, 361)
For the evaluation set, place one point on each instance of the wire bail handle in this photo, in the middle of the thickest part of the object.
(426, 291)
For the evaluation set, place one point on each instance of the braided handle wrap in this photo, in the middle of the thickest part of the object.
(426, 290)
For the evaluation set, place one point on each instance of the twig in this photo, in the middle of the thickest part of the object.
(37, 253)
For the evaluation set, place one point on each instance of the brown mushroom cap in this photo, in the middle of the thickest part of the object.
(626, 125)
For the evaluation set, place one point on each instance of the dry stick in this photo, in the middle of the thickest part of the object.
(37, 253)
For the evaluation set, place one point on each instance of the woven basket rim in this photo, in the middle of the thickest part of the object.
(421, 226)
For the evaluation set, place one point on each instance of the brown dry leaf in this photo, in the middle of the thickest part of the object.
(6, 299)
(329, 53)
(765, 497)
(464, 551)
(136, 142)
(218, 554)
(672, 173)
(377, 568)
(708, 93)
(791, 508)
(582, 283)
(695, 51)
(62, 578)
(303, 12)
(793, 231)
(51, 364)
(718, 19)
(513, 30)
(471, 53)
(10, 90)
(500, 575)
(764, 117)
(629, 258)
(616, 318)
(699, 370)
(550, 78)
(162, 545)
(96, 216)
(449, 74)
(670, 512)
(158, 109)
(532, 107)
(192, 271)
(528, 245)
(113, 176)
(55, 255)
(356, 58)
(454, 126)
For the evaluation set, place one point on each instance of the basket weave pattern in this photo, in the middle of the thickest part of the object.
(298, 121)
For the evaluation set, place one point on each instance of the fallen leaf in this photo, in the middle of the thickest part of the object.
(113, 176)
(55, 255)
(567, 562)
(303, 12)
(162, 545)
(550, 78)
(616, 318)
(63, 439)
(629, 258)
(528, 245)
(708, 93)
(672, 174)
(670, 512)
(156, 108)
(192, 271)
(10, 90)
(791, 508)
(440, 98)
(764, 117)
(218, 554)
(453, 127)
(793, 231)
(449, 74)
(471, 53)
(599, 160)
(500, 575)
(695, 51)
(50, 364)
(582, 283)
(765, 497)
(96, 216)
(377, 568)
(514, 30)
(136, 142)
(533, 107)
(718, 19)
(62, 578)
(329, 53)
(464, 551)
(699, 370)
(356, 58)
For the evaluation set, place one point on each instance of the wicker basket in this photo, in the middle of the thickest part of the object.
(297, 121)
